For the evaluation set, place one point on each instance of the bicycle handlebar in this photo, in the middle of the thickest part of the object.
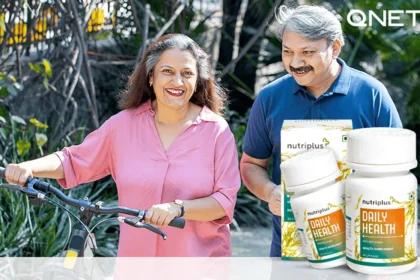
(35, 185)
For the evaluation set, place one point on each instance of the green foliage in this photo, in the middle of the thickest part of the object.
(44, 68)
(23, 147)
(413, 106)
(27, 230)
(30, 231)
(19, 137)
(9, 85)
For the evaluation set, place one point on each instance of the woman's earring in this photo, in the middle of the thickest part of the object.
(150, 84)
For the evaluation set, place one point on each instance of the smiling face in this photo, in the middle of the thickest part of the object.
(174, 78)
(309, 62)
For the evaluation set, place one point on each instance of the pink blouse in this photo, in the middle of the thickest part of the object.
(201, 162)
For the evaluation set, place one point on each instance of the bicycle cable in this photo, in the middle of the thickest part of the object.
(100, 222)
(77, 218)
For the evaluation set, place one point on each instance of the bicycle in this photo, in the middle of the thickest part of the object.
(77, 244)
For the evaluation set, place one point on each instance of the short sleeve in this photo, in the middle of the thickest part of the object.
(257, 142)
(227, 180)
(88, 161)
(385, 110)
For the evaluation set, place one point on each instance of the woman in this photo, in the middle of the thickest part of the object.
(169, 151)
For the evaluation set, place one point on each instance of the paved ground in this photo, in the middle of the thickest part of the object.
(251, 242)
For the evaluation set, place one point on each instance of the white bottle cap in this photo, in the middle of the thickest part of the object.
(381, 149)
(309, 169)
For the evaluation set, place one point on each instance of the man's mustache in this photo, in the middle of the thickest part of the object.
(300, 69)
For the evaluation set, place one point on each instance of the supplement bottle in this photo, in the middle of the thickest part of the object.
(381, 201)
(318, 202)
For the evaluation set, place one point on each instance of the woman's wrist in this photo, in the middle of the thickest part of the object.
(180, 204)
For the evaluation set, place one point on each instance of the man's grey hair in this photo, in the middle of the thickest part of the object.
(310, 22)
(184, 43)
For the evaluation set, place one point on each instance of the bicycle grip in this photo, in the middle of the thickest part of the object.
(3, 174)
(178, 223)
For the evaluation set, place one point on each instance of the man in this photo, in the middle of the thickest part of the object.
(319, 86)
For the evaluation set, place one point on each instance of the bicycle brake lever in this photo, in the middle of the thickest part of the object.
(31, 192)
(135, 222)
(153, 229)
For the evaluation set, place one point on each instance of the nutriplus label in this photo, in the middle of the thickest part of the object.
(381, 229)
(329, 233)
(323, 232)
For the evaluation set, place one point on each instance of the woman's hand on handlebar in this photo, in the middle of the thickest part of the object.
(18, 174)
(161, 215)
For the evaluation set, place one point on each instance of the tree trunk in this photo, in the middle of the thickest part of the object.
(245, 69)
(247, 66)
(230, 15)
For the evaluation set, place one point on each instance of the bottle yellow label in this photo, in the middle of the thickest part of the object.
(329, 233)
(382, 233)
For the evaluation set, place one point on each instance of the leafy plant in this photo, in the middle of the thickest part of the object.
(44, 68)
(9, 85)
(27, 230)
